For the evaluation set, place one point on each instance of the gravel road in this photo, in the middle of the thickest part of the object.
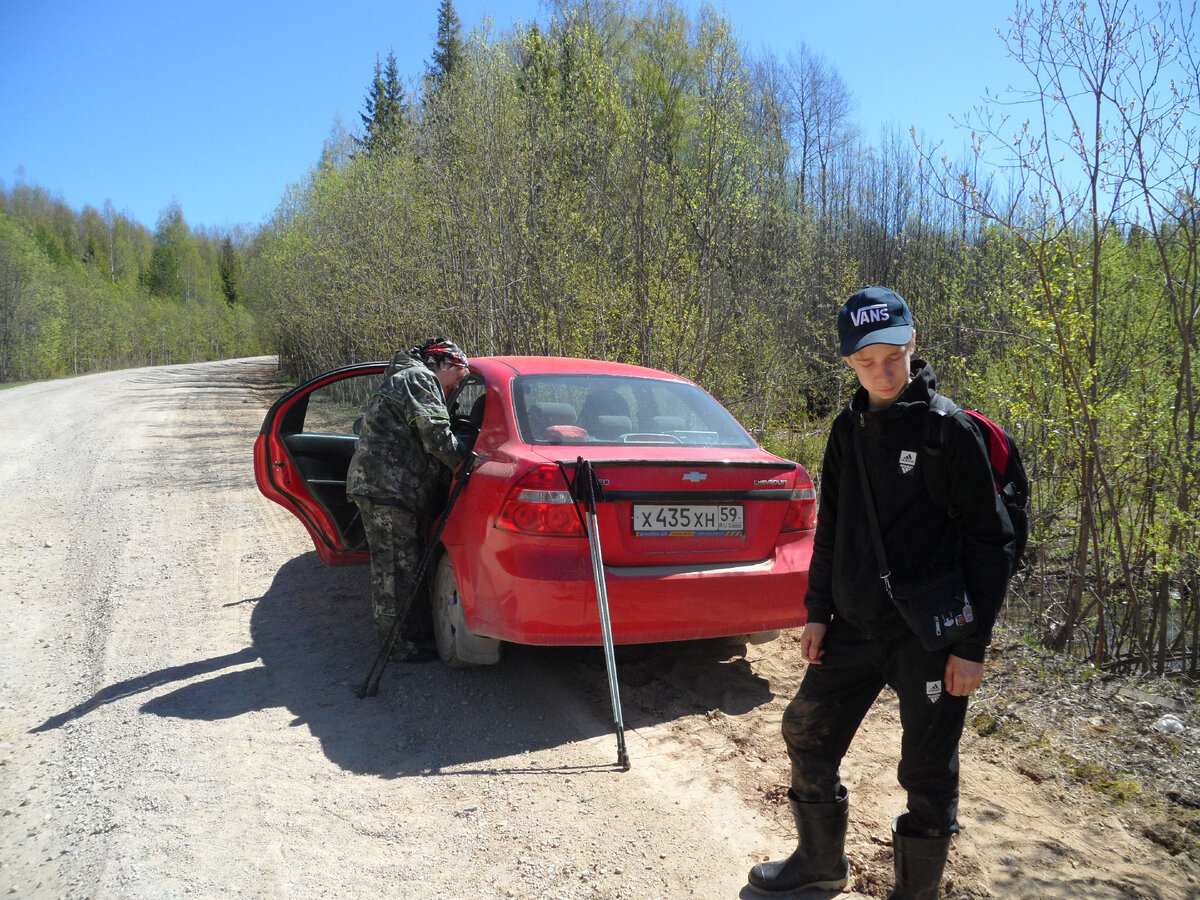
(178, 710)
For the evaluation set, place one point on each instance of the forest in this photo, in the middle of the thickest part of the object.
(627, 182)
(95, 290)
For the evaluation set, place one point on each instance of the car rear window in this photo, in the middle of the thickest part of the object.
(617, 409)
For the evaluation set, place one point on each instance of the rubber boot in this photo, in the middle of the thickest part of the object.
(383, 628)
(404, 650)
(919, 862)
(818, 862)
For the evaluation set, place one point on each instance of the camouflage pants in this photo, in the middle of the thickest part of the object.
(395, 538)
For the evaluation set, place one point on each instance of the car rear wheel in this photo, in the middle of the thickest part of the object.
(762, 637)
(758, 637)
(457, 647)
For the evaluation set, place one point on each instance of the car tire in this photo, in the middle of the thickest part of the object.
(757, 637)
(457, 647)
(762, 637)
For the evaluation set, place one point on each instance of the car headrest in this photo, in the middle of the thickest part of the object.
(609, 427)
(543, 415)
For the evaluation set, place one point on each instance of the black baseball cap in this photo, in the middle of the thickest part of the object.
(875, 315)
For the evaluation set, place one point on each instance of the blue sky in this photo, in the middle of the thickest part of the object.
(221, 105)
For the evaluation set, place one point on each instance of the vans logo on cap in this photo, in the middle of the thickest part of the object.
(870, 314)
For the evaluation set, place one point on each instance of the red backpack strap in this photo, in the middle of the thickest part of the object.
(996, 441)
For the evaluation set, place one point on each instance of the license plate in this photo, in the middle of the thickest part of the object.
(679, 520)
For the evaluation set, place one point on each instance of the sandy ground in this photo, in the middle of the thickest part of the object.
(178, 711)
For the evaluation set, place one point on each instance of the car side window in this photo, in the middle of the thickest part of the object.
(466, 405)
(464, 397)
(335, 408)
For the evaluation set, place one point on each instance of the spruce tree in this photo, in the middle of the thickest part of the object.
(164, 276)
(385, 109)
(448, 51)
(228, 266)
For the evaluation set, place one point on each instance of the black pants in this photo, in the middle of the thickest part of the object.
(834, 696)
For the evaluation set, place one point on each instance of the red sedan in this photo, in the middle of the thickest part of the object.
(704, 534)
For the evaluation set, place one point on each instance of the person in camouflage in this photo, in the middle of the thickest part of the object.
(395, 477)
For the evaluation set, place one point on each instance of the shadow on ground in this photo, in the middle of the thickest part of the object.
(313, 633)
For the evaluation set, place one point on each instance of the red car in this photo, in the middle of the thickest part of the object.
(704, 534)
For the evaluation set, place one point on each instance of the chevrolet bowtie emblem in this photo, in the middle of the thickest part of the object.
(694, 476)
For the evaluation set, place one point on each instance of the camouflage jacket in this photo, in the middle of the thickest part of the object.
(405, 436)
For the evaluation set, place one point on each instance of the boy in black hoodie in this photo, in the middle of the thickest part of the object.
(856, 640)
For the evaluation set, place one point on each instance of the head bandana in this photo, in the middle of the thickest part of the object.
(439, 350)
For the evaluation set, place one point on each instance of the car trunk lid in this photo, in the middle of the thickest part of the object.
(711, 507)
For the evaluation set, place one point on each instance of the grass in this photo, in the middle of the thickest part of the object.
(1101, 779)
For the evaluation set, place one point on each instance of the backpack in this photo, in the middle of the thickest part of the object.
(1008, 472)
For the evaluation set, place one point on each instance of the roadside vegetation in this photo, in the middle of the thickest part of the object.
(95, 290)
(625, 182)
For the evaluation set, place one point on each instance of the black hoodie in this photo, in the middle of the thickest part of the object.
(917, 534)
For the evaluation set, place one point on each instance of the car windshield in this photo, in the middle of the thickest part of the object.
(620, 409)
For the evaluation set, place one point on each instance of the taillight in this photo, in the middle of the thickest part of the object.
(801, 513)
(540, 504)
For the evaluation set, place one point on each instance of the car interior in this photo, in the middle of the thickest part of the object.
(579, 409)
(466, 410)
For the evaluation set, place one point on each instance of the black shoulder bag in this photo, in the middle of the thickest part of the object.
(934, 605)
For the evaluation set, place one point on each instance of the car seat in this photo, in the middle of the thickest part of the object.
(669, 423)
(477, 408)
(605, 415)
(543, 416)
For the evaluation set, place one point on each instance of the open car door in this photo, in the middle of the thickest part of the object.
(303, 451)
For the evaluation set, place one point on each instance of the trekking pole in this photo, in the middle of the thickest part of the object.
(587, 488)
(370, 687)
